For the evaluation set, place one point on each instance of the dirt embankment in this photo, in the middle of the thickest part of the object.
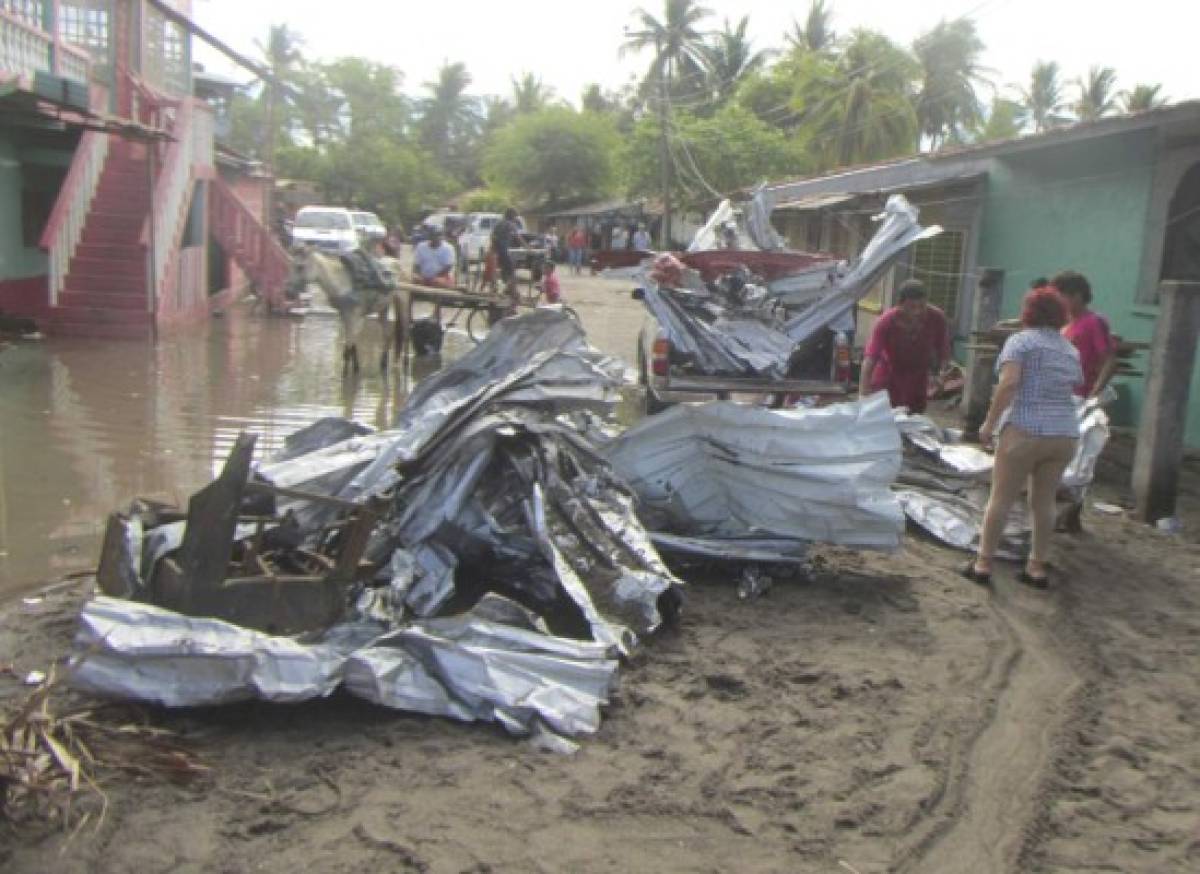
(878, 715)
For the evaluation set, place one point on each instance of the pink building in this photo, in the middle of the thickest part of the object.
(119, 212)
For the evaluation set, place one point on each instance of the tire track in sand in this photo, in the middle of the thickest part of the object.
(986, 817)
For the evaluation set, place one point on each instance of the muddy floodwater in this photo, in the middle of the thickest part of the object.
(86, 425)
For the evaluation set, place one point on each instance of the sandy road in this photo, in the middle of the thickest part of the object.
(875, 714)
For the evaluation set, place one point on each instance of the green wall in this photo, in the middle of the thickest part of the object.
(1084, 207)
(16, 261)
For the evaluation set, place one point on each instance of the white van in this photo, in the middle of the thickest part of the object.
(369, 225)
(326, 227)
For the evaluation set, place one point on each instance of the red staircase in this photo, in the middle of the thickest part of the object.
(250, 243)
(104, 293)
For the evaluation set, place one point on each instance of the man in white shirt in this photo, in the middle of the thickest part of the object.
(433, 261)
(641, 239)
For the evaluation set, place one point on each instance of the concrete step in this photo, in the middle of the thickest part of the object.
(72, 300)
(65, 327)
(127, 251)
(108, 264)
(98, 233)
(102, 283)
(100, 315)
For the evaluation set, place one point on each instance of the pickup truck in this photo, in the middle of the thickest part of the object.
(821, 369)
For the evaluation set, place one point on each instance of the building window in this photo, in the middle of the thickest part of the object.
(938, 262)
(87, 24)
(28, 11)
(165, 60)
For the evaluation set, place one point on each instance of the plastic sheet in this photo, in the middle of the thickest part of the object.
(724, 472)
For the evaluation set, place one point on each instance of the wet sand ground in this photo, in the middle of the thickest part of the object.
(876, 714)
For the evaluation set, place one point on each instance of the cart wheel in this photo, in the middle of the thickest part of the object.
(479, 323)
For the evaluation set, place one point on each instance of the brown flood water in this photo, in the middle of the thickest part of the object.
(87, 425)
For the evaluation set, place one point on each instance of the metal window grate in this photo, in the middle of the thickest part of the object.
(938, 262)
(30, 12)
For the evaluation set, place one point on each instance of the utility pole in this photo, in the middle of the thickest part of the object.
(664, 241)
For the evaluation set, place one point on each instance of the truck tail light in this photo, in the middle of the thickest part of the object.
(660, 357)
(841, 359)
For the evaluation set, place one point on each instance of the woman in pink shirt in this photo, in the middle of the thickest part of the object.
(1088, 331)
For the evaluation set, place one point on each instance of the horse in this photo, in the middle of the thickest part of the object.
(353, 305)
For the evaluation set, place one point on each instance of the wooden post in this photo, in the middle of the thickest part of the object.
(977, 393)
(1159, 451)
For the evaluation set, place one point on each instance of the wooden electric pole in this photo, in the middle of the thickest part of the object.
(664, 236)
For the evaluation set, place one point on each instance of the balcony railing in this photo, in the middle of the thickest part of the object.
(26, 50)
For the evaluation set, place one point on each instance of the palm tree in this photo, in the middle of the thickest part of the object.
(448, 113)
(947, 105)
(677, 42)
(529, 94)
(730, 57)
(859, 106)
(282, 55)
(1096, 96)
(1142, 98)
(1043, 100)
(817, 34)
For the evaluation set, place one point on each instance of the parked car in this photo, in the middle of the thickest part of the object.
(447, 222)
(369, 225)
(326, 227)
(477, 234)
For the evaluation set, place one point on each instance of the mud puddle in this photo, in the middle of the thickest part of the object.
(85, 425)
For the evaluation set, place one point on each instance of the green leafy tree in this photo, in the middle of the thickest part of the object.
(1043, 99)
(1142, 98)
(817, 34)
(316, 111)
(729, 58)
(768, 94)
(396, 180)
(596, 99)
(554, 156)
(677, 43)
(859, 106)
(371, 100)
(726, 152)
(530, 94)
(1005, 121)
(947, 103)
(1097, 94)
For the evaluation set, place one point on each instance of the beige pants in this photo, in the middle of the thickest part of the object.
(1023, 458)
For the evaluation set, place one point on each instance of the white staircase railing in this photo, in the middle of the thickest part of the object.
(65, 227)
(163, 229)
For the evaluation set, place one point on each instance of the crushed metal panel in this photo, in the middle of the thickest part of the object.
(725, 471)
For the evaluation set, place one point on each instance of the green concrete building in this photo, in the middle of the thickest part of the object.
(1117, 199)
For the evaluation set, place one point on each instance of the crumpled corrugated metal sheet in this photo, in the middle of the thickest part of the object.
(898, 230)
(467, 667)
(945, 484)
(488, 483)
(715, 336)
(723, 472)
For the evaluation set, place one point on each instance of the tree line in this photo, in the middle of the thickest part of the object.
(720, 112)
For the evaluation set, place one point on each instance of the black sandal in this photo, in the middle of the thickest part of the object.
(975, 576)
(1032, 581)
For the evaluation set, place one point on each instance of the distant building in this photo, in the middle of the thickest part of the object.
(1117, 199)
(120, 212)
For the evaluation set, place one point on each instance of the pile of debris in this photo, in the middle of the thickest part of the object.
(733, 482)
(738, 325)
(479, 560)
(944, 484)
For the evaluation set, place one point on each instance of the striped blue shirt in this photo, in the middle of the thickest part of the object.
(1044, 404)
